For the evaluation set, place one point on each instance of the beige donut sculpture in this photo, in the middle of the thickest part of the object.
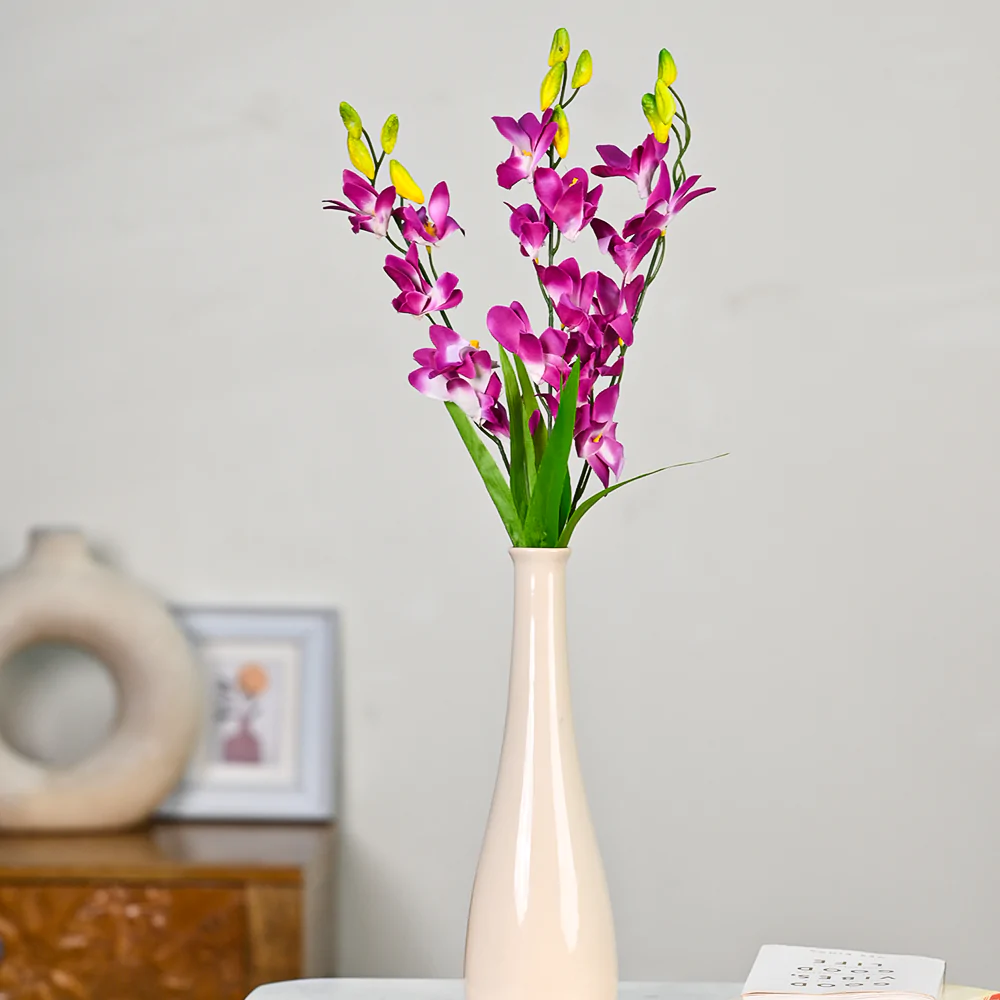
(60, 593)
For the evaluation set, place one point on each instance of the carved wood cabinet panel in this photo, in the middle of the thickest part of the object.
(176, 912)
(120, 942)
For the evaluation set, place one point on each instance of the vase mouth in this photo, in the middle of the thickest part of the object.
(554, 554)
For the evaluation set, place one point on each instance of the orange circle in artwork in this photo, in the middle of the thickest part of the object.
(252, 679)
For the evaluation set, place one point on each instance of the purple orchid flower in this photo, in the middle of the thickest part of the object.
(566, 200)
(416, 295)
(530, 139)
(369, 210)
(432, 224)
(616, 306)
(454, 356)
(639, 167)
(541, 355)
(627, 254)
(459, 371)
(664, 203)
(492, 413)
(528, 228)
(571, 294)
(596, 443)
(588, 376)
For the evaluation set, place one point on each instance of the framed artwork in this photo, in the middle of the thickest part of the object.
(268, 739)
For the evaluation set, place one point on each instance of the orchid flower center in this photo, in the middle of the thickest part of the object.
(430, 228)
(597, 438)
(573, 181)
(474, 344)
(526, 152)
(621, 343)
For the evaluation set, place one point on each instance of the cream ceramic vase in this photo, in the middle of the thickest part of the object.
(540, 924)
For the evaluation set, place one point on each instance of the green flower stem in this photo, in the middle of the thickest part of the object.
(562, 91)
(655, 263)
(499, 444)
(545, 295)
(571, 96)
(394, 244)
(430, 260)
(679, 173)
(581, 488)
(377, 160)
(680, 104)
(659, 251)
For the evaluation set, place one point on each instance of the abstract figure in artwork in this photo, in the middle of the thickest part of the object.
(239, 701)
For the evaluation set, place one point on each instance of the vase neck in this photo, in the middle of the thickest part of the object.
(539, 662)
(58, 545)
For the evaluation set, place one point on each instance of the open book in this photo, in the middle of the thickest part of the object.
(787, 971)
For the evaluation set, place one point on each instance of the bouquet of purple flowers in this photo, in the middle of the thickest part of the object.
(550, 393)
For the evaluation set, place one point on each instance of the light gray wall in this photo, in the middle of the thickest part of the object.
(785, 662)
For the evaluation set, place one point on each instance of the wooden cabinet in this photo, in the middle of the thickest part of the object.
(192, 911)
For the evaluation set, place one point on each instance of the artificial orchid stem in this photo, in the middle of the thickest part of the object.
(659, 252)
(377, 160)
(679, 173)
(581, 488)
(499, 444)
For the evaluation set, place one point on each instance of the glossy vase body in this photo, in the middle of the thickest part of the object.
(540, 924)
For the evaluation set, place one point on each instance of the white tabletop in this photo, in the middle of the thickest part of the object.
(451, 989)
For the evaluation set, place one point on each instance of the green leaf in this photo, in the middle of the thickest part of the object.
(493, 478)
(521, 483)
(567, 532)
(528, 389)
(564, 503)
(541, 526)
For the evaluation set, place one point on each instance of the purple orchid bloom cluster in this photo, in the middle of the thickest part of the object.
(544, 394)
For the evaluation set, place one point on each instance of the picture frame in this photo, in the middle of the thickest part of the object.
(269, 735)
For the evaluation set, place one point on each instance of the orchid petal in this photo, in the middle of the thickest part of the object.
(604, 405)
(435, 386)
(548, 187)
(615, 158)
(506, 327)
(604, 233)
(511, 130)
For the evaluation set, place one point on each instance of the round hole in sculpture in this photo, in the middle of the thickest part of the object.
(58, 703)
(59, 593)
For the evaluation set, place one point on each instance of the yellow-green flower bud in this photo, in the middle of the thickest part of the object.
(560, 47)
(660, 130)
(351, 120)
(552, 84)
(360, 157)
(405, 185)
(389, 132)
(665, 106)
(584, 70)
(668, 69)
(562, 135)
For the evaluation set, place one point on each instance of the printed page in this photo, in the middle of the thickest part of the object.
(788, 969)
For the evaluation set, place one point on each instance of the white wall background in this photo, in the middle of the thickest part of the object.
(786, 669)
